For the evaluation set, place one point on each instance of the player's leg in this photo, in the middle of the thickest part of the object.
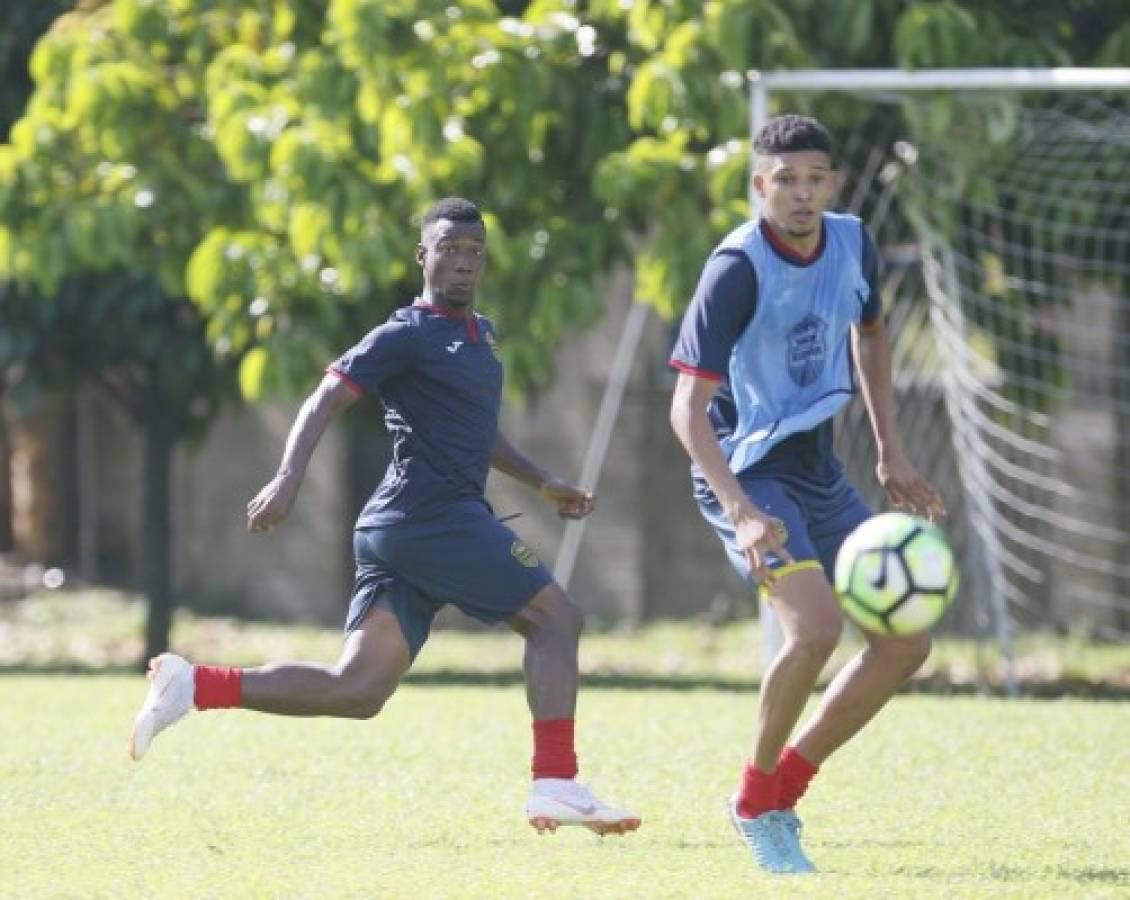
(811, 624)
(372, 662)
(869, 680)
(551, 625)
(374, 658)
(859, 691)
(388, 622)
(488, 573)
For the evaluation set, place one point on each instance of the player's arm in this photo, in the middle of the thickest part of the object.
(272, 504)
(571, 501)
(756, 535)
(906, 488)
(723, 306)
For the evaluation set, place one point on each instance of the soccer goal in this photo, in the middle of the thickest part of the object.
(1000, 199)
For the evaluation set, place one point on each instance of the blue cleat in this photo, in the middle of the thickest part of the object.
(770, 838)
(801, 862)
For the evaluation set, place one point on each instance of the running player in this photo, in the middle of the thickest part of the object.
(427, 536)
(786, 316)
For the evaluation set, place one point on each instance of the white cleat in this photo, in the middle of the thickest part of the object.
(172, 689)
(562, 801)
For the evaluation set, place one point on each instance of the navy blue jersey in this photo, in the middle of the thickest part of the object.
(718, 315)
(439, 378)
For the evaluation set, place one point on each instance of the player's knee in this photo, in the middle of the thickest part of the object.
(570, 617)
(561, 622)
(364, 705)
(817, 641)
(362, 696)
(912, 651)
(550, 616)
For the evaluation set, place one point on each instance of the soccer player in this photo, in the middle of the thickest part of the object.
(785, 318)
(427, 536)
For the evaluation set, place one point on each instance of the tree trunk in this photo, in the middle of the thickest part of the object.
(6, 543)
(39, 483)
(156, 532)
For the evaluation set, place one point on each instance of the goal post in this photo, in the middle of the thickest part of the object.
(1021, 278)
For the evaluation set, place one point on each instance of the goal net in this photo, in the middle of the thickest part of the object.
(1002, 213)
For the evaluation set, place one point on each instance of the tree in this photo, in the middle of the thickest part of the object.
(87, 308)
(267, 159)
(21, 23)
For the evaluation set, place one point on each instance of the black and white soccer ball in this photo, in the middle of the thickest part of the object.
(895, 574)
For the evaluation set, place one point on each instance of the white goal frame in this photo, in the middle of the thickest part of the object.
(762, 86)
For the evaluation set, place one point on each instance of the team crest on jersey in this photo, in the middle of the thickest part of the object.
(807, 349)
(493, 344)
(523, 554)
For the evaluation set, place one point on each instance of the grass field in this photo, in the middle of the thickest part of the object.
(942, 797)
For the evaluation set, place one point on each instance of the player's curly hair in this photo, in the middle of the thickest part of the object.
(454, 209)
(790, 133)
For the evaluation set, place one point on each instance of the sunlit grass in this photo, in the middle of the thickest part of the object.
(942, 797)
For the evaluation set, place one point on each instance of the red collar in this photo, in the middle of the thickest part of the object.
(472, 322)
(791, 254)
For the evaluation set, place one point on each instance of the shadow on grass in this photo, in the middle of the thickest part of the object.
(1099, 874)
(1051, 689)
(872, 843)
(1104, 874)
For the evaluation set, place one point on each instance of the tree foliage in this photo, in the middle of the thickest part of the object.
(267, 159)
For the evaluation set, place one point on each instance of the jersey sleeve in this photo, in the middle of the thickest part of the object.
(873, 308)
(722, 307)
(384, 352)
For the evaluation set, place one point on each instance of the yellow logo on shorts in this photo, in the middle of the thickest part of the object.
(523, 554)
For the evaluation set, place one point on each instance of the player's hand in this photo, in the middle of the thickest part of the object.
(908, 490)
(272, 504)
(759, 536)
(571, 501)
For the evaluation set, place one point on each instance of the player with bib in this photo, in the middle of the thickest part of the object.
(786, 322)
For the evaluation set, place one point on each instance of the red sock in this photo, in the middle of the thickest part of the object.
(758, 793)
(554, 756)
(796, 772)
(218, 687)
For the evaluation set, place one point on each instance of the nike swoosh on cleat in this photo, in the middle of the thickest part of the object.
(583, 810)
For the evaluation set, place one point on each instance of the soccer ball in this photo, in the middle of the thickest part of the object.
(895, 574)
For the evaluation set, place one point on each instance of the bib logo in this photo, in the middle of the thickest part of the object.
(523, 554)
(807, 349)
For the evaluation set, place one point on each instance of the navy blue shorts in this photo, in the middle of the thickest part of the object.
(464, 557)
(817, 518)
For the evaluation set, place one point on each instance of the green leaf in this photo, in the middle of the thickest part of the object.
(251, 371)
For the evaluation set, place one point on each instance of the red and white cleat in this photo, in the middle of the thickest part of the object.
(556, 802)
(171, 692)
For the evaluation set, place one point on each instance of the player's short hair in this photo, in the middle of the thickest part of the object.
(791, 133)
(454, 209)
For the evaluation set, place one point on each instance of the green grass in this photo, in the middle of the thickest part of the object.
(942, 797)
